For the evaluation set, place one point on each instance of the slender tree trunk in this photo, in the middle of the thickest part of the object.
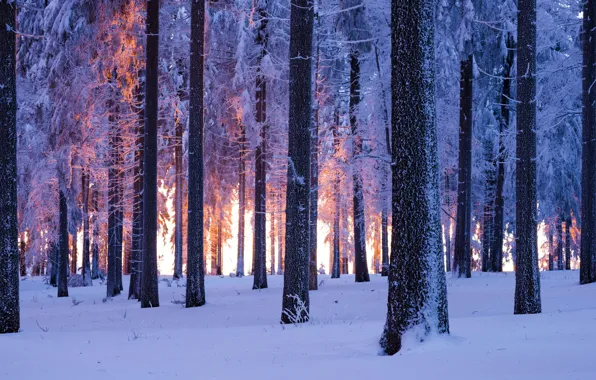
(587, 273)
(113, 288)
(272, 243)
(417, 287)
(527, 275)
(551, 249)
(195, 266)
(280, 261)
(489, 207)
(53, 263)
(447, 232)
(568, 244)
(360, 261)
(74, 253)
(260, 235)
(336, 257)
(119, 206)
(134, 291)
(296, 302)
(9, 234)
(219, 247)
(95, 247)
(241, 203)
(497, 256)
(63, 249)
(313, 283)
(560, 243)
(178, 201)
(462, 254)
(149, 290)
(86, 270)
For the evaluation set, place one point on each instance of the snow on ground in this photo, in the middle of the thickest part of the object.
(237, 334)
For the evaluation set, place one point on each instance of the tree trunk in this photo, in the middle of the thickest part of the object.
(313, 283)
(53, 256)
(560, 243)
(178, 202)
(551, 249)
(280, 261)
(417, 287)
(527, 275)
(134, 291)
(568, 244)
(219, 247)
(462, 254)
(497, 256)
(272, 243)
(587, 273)
(95, 247)
(113, 288)
(9, 254)
(149, 290)
(489, 207)
(241, 203)
(360, 261)
(296, 302)
(447, 232)
(86, 270)
(63, 249)
(74, 252)
(119, 205)
(336, 257)
(195, 266)
(260, 235)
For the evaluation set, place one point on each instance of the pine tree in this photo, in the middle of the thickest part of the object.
(9, 254)
(241, 201)
(195, 267)
(296, 302)
(149, 290)
(587, 272)
(62, 276)
(527, 275)
(417, 288)
(86, 270)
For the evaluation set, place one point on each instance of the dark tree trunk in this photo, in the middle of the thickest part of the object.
(497, 251)
(63, 248)
(213, 247)
(219, 248)
(313, 283)
(551, 249)
(134, 290)
(86, 269)
(448, 203)
(260, 235)
(568, 244)
(95, 247)
(119, 207)
(195, 266)
(296, 302)
(462, 255)
(178, 201)
(149, 290)
(560, 244)
(280, 261)
(587, 272)
(53, 256)
(73, 255)
(336, 258)
(417, 287)
(489, 207)
(527, 275)
(22, 251)
(114, 243)
(360, 262)
(272, 243)
(9, 234)
(241, 203)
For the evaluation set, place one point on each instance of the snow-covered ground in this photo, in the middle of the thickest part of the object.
(237, 334)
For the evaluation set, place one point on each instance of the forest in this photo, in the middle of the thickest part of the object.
(298, 149)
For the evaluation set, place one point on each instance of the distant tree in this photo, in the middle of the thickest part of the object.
(149, 289)
(63, 245)
(587, 273)
(195, 267)
(296, 302)
(417, 287)
(86, 269)
(241, 201)
(527, 275)
(95, 245)
(9, 253)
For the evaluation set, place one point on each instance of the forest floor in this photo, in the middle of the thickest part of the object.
(237, 335)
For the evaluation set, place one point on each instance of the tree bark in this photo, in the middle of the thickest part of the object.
(63, 248)
(587, 273)
(241, 203)
(551, 249)
(527, 275)
(149, 290)
(296, 302)
(86, 270)
(360, 262)
(417, 287)
(195, 266)
(313, 283)
(113, 288)
(489, 207)
(462, 254)
(95, 247)
(336, 257)
(53, 255)
(568, 244)
(260, 235)
(560, 243)
(9, 235)
(178, 201)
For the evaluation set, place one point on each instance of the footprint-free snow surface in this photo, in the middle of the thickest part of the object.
(237, 335)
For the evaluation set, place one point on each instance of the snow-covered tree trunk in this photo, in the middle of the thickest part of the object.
(560, 243)
(527, 275)
(195, 267)
(95, 245)
(313, 283)
(587, 273)
(260, 235)
(504, 120)
(63, 245)
(178, 201)
(86, 270)
(360, 261)
(462, 255)
(149, 290)
(241, 202)
(9, 254)
(296, 302)
(417, 288)
(568, 244)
